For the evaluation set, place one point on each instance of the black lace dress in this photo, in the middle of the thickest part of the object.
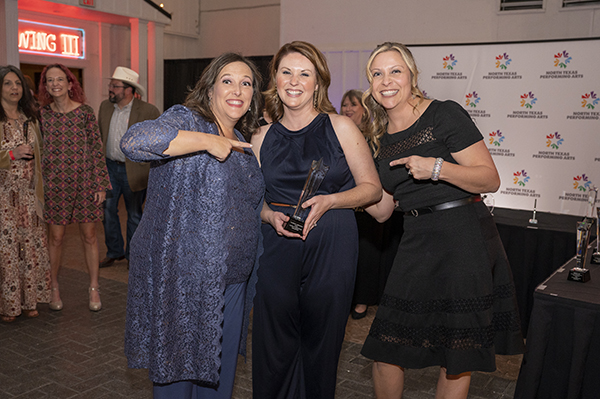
(449, 298)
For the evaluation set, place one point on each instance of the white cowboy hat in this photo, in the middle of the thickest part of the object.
(130, 77)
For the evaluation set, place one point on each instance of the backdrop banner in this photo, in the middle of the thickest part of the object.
(538, 108)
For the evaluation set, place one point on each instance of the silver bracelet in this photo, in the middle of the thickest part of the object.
(437, 167)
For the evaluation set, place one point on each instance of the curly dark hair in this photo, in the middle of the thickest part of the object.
(198, 99)
(27, 104)
(75, 94)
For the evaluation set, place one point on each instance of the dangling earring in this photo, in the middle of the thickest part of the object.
(315, 100)
(70, 93)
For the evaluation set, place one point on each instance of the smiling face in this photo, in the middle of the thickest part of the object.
(296, 81)
(231, 95)
(12, 89)
(391, 80)
(353, 110)
(57, 83)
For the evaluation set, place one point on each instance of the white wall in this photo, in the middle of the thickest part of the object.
(348, 30)
(207, 28)
(352, 24)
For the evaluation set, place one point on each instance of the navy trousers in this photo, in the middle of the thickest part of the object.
(233, 315)
(302, 303)
(134, 200)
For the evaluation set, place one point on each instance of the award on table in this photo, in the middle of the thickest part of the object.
(316, 174)
(579, 272)
(596, 254)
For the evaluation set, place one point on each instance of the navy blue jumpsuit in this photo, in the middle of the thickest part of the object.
(304, 289)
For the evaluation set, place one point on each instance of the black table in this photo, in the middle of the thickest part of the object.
(534, 250)
(563, 343)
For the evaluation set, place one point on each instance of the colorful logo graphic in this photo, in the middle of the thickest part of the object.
(496, 138)
(503, 61)
(449, 62)
(581, 183)
(554, 140)
(589, 100)
(528, 100)
(472, 99)
(520, 178)
(562, 59)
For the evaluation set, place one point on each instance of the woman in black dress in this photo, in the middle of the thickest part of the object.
(449, 300)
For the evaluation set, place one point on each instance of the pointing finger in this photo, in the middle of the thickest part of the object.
(240, 144)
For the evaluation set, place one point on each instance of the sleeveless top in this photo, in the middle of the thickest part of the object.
(286, 157)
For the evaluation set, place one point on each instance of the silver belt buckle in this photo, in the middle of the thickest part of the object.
(414, 212)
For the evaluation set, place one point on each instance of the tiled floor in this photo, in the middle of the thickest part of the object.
(75, 353)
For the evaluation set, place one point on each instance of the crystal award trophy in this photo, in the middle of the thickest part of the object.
(579, 272)
(596, 254)
(316, 174)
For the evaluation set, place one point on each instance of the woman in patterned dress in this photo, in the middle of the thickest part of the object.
(24, 264)
(74, 170)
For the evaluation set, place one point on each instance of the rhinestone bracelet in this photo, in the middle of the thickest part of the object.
(437, 167)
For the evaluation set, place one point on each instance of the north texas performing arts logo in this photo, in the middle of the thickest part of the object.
(528, 100)
(562, 59)
(581, 183)
(520, 178)
(496, 138)
(472, 99)
(554, 140)
(502, 61)
(589, 100)
(449, 62)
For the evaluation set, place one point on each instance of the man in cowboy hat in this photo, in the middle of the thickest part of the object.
(127, 178)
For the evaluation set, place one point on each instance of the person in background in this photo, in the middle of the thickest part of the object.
(305, 281)
(377, 242)
(128, 179)
(198, 241)
(24, 262)
(75, 176)
(352, 108)
(449, 299)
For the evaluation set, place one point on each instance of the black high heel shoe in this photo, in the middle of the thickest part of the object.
(357, 316)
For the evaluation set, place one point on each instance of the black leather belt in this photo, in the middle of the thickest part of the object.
(444, 205)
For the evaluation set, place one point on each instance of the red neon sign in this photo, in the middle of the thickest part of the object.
(54, 40)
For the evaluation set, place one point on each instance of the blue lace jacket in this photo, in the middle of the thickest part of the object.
(199, 232)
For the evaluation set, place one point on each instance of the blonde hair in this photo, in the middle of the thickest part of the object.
(355, 96)
(376, 113)
(321, 102)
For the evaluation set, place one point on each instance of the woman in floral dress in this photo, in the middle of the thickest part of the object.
(74, 169)
(24, 264)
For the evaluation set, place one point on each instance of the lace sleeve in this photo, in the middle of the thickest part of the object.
(146, 141)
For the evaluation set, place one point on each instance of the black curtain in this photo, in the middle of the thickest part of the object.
(181, 76)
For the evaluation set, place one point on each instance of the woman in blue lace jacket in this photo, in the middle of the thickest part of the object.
(197, 243)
